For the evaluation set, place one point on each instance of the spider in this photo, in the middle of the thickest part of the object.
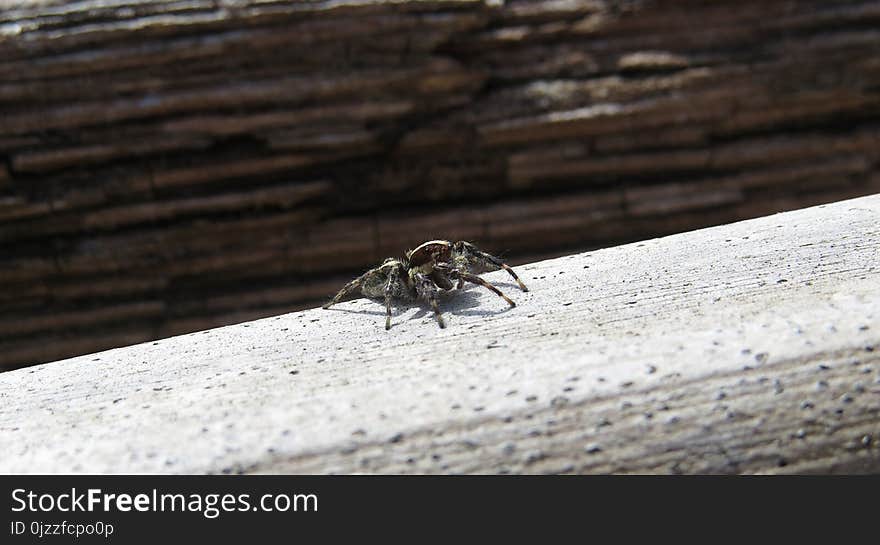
(432, 266)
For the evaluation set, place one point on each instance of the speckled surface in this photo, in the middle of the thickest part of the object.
(743, 348)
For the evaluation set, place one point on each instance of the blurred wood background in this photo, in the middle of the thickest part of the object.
(173, 165)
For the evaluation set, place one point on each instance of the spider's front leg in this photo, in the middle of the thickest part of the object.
(475, 255)
(464, 276)
(427, 290)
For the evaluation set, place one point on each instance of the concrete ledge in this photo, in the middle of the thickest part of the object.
(751, 347)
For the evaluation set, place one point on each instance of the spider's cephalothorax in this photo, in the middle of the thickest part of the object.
(432, 266)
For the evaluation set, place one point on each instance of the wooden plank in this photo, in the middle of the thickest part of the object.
(750, 347)
(64, 321)
(146, 145)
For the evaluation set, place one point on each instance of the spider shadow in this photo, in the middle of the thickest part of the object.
(468, 301)
(457, 302)
(506, 287)
(368, 312)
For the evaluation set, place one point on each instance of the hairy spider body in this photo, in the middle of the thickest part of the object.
(426, 270)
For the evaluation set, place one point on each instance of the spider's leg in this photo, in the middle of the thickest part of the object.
(444, 274)
(440, 276)
(426, 289)
(387, 312)
(393, 281)
(436, 308)
(498, 263)
(482, 256)
(346, 290)
(474, 279)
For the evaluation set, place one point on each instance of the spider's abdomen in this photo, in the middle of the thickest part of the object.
(374, 285)
(375, 280)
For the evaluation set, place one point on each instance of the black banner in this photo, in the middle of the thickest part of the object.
(134, 509)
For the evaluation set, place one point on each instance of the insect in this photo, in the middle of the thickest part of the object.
(424, 271)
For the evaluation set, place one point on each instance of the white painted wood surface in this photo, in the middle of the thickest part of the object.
(751, 347)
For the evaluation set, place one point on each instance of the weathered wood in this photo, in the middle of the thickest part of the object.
(751, 347)
(178, 150)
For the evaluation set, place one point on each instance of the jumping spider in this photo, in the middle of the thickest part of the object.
(434, 265)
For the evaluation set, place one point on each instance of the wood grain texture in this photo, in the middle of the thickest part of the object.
(163, 153)
(751, 347)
